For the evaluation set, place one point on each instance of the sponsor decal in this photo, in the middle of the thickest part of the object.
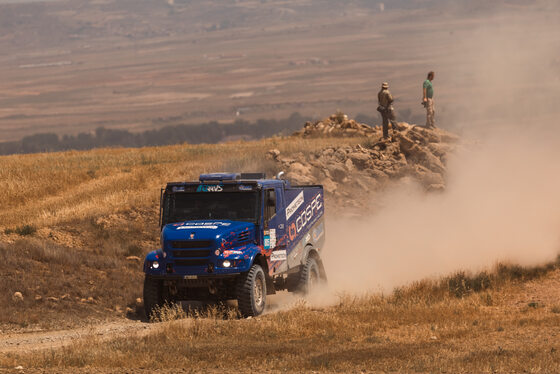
(294, 205)
(278, 255)
(292, 231)
(305, 217)
(197, 227)
(266, 237)
(232, 252)
(272, 235)
(210, 188)
(179, 189)
(243, 187)
(192, 235)
(202, 225)
(269, 238)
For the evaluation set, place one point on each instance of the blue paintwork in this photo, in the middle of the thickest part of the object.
(284, 241)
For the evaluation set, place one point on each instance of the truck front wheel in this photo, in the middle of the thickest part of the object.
(251, 292)
(153, 295)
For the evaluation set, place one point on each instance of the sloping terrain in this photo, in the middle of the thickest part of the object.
(73, 274)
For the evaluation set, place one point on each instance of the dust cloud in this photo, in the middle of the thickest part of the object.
(502, 202)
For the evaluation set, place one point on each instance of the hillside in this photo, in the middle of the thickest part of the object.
(85, 219)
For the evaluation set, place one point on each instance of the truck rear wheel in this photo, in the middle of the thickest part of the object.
(153, 295)
(309, 277)
(251, 292)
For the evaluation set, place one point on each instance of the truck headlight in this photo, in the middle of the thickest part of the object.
(155, 265)
(226, 263)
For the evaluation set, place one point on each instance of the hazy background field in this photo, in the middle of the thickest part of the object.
(72, 66)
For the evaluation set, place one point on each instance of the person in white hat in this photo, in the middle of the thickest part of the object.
(386, 109)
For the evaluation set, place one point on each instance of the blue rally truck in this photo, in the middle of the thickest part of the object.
(236, 236)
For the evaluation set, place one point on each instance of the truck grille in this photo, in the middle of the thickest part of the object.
(191, 244)
(191, 253)
(243, 237)
(192, 262)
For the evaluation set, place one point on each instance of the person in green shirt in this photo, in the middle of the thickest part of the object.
(428, 100)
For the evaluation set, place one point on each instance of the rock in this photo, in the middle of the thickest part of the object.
(363, 185)
(431, 162)
(328, 152)
(273, 154)
(38, 297)
(349, 165)
(337, 171)
(359, 159)
(329, 186)
(338, 125)
(415, 152)
(133, 258)
(428, 177)
(17, 296)
(65, 296)
(401, 160)
(299, 179)
(340, 155)
(436, 187)
(447, 137)
(90, 300)
(52, 298)
(299, 168)
(138, 301)
(300, 173)
(19, 367)
(377, 174)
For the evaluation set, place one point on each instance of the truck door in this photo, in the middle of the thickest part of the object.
(274, 235)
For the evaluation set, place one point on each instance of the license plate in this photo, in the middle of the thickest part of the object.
(190, 277)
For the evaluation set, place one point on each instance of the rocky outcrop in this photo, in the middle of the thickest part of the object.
(413, 152)
(337, 125)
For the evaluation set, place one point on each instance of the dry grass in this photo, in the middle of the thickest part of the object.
(69, 220)
(57, 188)
(92, 209)
(406, 332)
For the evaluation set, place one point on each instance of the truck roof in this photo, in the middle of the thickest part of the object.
(255, 179)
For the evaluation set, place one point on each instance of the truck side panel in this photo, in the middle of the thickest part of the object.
(303, 220)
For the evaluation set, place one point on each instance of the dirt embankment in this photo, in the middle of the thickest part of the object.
(413, 152)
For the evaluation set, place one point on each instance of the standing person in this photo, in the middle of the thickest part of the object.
(385, 107)
(428, 100)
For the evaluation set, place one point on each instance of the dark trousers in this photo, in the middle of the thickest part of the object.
(387, 116)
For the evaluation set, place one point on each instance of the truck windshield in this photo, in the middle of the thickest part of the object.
(187, 206)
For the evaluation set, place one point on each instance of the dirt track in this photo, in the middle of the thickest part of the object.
(543, 292)
(32, 341)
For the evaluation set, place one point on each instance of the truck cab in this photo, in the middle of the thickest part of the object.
(235, 236)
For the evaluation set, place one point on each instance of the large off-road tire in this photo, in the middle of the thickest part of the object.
(153, 295)
(251, 292)
(309, 276)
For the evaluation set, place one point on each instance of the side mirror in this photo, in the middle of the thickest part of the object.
(280, 175)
